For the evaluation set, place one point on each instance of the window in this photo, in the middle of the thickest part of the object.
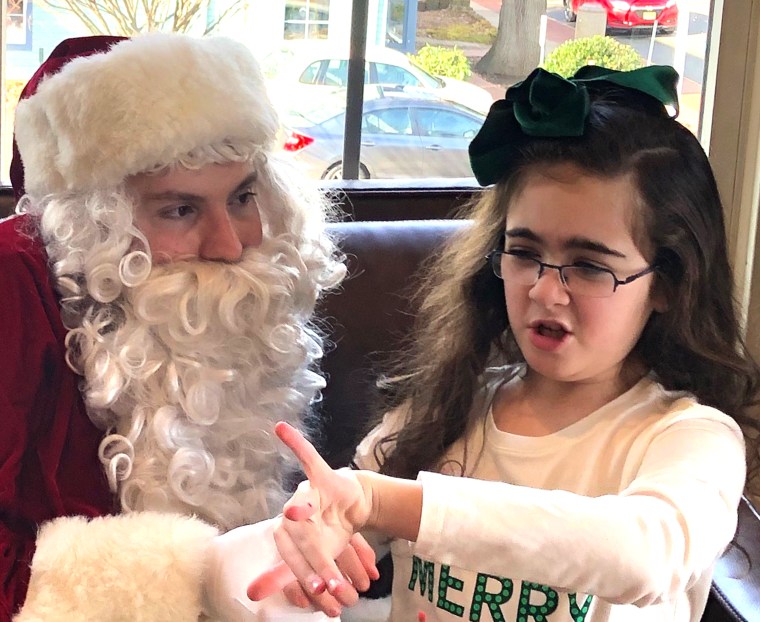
(307, 19)
(435, 122)
(302, 70)
(18, 24)
(311, 73)
(388, 121)
(336, 73)
(719, 99)
(393, 74)
(396, 34)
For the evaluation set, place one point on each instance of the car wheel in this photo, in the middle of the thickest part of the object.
(570, 15)
(336, 171)
(666, 31)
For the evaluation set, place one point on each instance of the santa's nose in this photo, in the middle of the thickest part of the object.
(225, 238)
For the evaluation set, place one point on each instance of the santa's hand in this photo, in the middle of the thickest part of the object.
(356, 563)
(232, 559)
(317, 524)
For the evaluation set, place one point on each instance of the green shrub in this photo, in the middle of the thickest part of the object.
(442, 61)
(597, 50)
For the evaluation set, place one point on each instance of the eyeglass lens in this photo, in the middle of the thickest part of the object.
(580, 280)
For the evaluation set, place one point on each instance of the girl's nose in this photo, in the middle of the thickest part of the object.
(549, 290)
(225, 238)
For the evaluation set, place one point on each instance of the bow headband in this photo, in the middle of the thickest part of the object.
(548, 105)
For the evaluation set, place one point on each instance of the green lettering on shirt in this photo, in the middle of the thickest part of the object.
(424, 571)
(446, 581)
(579, 613)
(492, 600)
(539, 612)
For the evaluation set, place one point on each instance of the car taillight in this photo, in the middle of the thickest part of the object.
(295, 141)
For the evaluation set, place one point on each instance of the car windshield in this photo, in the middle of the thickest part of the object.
(431, 82)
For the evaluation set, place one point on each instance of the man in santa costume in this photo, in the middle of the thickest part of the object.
(157, 290)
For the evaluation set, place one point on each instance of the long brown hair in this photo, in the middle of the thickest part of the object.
(695, 345)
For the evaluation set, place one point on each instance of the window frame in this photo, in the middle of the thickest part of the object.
(307, 22)
(731, 134)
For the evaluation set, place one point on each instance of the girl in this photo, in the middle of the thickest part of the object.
(570, 408)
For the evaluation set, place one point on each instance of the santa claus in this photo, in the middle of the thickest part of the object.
(158, 287)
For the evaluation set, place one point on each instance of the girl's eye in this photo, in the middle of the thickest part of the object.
(589, 271)
(521, 253)
(588, 265)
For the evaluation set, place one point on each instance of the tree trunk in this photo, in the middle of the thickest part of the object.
(516, 50)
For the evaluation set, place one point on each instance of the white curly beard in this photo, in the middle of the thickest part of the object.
(189, 371)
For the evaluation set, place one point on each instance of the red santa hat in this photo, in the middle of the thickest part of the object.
(64, 52)
(104, 108)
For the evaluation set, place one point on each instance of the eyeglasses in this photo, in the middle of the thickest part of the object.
(578, 279)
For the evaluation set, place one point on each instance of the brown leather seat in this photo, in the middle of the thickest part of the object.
(366, 319)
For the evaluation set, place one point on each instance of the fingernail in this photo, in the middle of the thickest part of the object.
(333, 585)
(333, 613)
(317, 585)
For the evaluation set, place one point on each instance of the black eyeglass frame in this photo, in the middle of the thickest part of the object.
(495, 255)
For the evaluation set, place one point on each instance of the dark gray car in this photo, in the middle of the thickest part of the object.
(400, 137)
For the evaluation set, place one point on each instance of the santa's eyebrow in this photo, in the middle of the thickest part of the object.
(173, 195)
(178, 195)
(573, 243)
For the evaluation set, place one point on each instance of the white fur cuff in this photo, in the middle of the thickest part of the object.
(142, 567)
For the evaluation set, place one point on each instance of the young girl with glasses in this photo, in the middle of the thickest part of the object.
(565, 442)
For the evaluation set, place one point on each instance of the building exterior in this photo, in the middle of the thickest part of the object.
(34, 28)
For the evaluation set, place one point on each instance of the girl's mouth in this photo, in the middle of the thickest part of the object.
(548, 336)
(552, 331)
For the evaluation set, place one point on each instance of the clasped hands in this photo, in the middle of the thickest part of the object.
(309, 557)
(322, 555)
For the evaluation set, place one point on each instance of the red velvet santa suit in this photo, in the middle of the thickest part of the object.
(48, 447)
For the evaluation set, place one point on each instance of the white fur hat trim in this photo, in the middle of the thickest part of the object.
(142, 104)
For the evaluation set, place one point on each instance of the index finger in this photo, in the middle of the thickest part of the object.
(313, 464)
(270, 581)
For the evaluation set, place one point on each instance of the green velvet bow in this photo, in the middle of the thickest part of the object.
(548, 105)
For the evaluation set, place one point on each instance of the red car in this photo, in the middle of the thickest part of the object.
(630, 14)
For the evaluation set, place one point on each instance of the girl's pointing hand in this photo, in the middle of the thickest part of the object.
(317, 523)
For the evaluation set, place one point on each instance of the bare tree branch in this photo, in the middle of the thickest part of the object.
(129, 17)
(76, 8)
(228, 12)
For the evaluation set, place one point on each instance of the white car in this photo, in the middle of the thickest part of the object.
(300, 70)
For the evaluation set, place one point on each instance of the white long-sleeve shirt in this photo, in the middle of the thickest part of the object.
(618, 517)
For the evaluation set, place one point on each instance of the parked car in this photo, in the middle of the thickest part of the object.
(631, 14)
(299, 69)
(400, 137)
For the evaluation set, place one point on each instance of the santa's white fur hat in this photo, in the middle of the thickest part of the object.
(142, 104)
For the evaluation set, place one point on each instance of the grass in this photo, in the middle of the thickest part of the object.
(455, 24)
